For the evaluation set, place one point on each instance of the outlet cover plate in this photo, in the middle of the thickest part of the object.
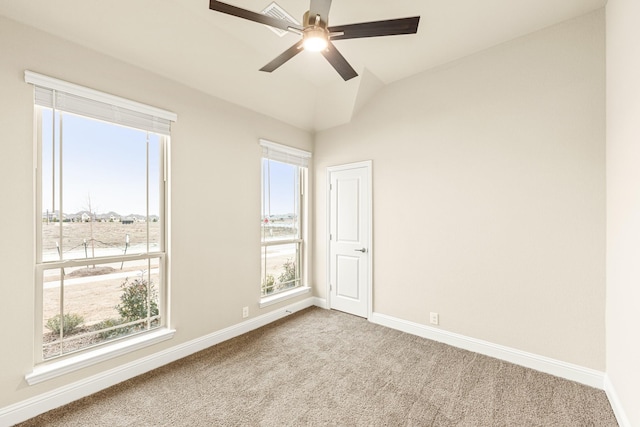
(434, 318)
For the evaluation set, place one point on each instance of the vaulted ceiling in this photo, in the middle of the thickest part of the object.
(220, 54)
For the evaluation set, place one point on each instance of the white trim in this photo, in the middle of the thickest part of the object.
(284, 148)
(47, 371)
(368, 164)
(616, 405)
(36, 405)
(283, 296)
(327, 238)
(320, 302)
(63, 86)
(587, 376)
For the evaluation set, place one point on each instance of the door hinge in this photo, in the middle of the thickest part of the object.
(330, 287)
(330, 187)
(330, 236)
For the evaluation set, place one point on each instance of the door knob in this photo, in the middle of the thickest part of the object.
(363, 250)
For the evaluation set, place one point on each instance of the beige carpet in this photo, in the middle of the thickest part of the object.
(320, 367)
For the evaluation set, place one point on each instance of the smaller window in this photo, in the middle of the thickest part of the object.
(284, 171)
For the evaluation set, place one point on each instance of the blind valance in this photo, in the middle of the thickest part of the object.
(65, 96)
(284, 153)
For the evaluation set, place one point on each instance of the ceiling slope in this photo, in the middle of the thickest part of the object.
(220, 55)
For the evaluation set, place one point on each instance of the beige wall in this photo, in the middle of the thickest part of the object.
(623, 203)
(489, 196)
(489, 193)
(215, 267)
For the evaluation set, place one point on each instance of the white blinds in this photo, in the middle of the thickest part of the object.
(284, 153)
(64, 96)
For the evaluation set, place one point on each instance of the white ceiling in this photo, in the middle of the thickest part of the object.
(219, 54)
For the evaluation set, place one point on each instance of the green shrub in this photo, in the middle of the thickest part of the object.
(286, 279)
(133, 301)
(113, 333)
(267, 285)
(70, 323)
(288, 274)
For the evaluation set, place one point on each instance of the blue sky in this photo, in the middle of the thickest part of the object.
(103, 162)
(283, 187)
(107, 164)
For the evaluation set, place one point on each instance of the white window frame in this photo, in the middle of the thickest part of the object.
(116, 110)
(301, 158)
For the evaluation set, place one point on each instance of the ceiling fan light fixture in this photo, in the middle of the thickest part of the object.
(317, 35)
(314, 39)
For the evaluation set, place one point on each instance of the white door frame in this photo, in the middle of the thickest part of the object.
(368, 165)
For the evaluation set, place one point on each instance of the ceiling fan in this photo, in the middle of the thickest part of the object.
(317, 35)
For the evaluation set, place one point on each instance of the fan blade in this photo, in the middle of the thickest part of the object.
(219, 6)
(319, 7)
(283, 57)
(389, 27)
(338, 62)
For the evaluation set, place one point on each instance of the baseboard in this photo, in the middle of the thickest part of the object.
(320, 302)
(29, 408)
(558, 368)
(616, 405)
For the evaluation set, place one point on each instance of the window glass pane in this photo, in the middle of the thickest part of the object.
(280, 267)
(50, 185)
(51, 344)
(104, 179)
(155, 190)
(280, 201)
(100, 303)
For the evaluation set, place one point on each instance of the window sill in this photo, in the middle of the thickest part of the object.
(274, 299)
(57, 368)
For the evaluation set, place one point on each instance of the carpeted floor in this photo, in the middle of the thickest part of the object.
(320, 367)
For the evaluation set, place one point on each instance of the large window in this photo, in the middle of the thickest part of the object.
(284, 171)
(101, 182)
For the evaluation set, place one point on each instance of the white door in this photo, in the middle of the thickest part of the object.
(350, 238)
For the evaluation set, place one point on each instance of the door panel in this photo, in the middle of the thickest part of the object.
(347, 269)
(347, 229)
(350, 240)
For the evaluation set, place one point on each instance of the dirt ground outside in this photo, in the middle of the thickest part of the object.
(93, 291)
(101, 238)
(93, 297)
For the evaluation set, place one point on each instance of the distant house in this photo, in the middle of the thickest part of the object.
(49, 216)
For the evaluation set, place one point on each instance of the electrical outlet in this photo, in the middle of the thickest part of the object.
(245, 312)
(434, 318)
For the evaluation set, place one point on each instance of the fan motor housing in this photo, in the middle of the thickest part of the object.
(314, 21)
(315, 34)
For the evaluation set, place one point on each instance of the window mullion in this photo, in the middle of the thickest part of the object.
(53, 157)
(61, 222)
(148, 302)
(281, 242)
(60, 177)
(301, 224)
(39, 206)
(147, 190)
